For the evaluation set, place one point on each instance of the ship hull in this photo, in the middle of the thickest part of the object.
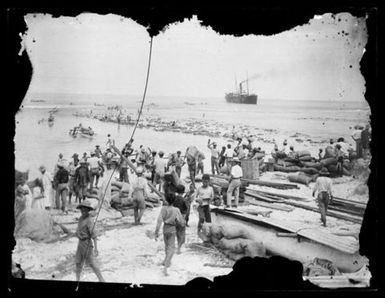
(241, 99)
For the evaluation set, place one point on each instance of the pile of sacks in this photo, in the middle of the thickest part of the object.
(304, 162)
(234, 241)
(121, 197)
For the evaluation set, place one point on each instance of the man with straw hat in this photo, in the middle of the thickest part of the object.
(87, 245)
(236, 174)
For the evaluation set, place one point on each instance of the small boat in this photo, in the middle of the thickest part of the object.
(81, 131)
(51, 118)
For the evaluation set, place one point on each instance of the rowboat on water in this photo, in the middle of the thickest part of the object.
(82, 131)
(295, 241)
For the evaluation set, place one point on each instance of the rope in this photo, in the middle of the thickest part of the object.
(109, 180)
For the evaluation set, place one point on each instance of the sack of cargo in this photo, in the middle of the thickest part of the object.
(332, 168)
(117, 184)
(259, 155)
(285, 163)
(125, 187)
(37, 225)
(310, 171)
(286, 169)
(235, 231)
(346, 172)
(237, 245)
(303, 153)
(114, 188)
(329, 152)
(291, 160)
(328, 161)
(216, 231)
(309, 164)
(306, 158)
(300, 178)
(255, 249)
(280, 154)
(153, 197)
(192, 151)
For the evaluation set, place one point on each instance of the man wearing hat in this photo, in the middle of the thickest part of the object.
(323, 187)
(140, 192)
(87, 245)
(74, 164)
(123, 168)
(214, 157)
(61, 179)
(160, 165)
(82, 178)
(95, 165)
(236, 174)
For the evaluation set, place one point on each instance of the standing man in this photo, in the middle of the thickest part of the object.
(123, 168)
(61, 182)
(86, 250)
(179, 163)
(182, 205)
(192, 167)
(160, 169)
(71, 183)
(234, 183)
(47, 186)
(214, 157)
(98, 151)
(323, 187)
(170, 216)
(95, 164)
(204, 196)
(200, 166)
(82, 178)
(365, 141)
(140, 192)
(110, 141)
(229, 154)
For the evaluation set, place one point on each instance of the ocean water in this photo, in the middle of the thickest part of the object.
(37, 144)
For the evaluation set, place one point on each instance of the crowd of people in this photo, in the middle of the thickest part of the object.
(76, 178)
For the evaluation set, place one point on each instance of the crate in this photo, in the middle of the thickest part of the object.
(250, 168)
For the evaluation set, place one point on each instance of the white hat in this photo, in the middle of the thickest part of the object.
(139, 170)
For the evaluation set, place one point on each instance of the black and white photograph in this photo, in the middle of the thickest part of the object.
(160, 159)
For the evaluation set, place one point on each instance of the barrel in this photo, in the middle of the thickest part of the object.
(250, 168)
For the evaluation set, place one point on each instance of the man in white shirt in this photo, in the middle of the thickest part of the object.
(235, 183)
(323, 187)
(94, 165)
(214, 157)
(229, 154)
(160, 165)
(204, 197)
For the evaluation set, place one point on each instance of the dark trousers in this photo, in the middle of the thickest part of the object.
(323, 200)
(169, 243)
(94, 173)
(123, 175)
(61, 195)
(204, 215)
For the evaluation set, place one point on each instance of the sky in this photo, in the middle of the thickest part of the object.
(108, 54)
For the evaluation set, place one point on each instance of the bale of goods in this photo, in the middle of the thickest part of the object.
(192, 151)
(286, 169)
(259, 155)
(235, 231)
(300, 178)
(285, 163)
(125, 187)
(309, 164)
(280, 154)
(306, 158)
(224, 170)
(328, 161)
(255, 249)
(310, 171)
(332, 168)
(329, 152)
(37, 225)
(237, 245)
(289, 160)
(153, 198)
(303, 153)
(117, 184)
(114, 188)
(250, 168)
(346, 172)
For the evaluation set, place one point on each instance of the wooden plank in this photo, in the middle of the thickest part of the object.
(260, 182)
(260, 197)
(252, 201)
(284, 196)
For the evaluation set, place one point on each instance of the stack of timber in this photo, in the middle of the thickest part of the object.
(224, 180)
(341, 209)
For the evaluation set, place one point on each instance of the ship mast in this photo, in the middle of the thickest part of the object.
(247, 82)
